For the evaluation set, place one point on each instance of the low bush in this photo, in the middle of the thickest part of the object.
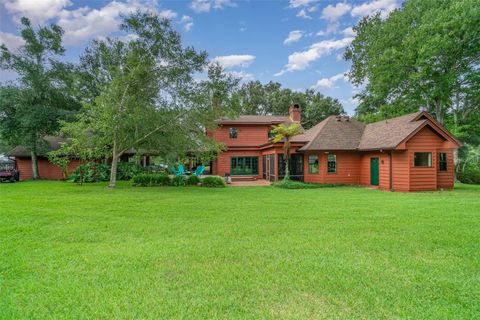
(213, 182)
(127, 170)
(289, 184)
(147, 180)
(193, 180)
(470, 175)
(179, 181)
(90, 172)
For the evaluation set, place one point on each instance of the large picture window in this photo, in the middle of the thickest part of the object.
(331, 163)
(422, 159)
(243, 166)
(313, 163)
(233, 132)
(442, 161)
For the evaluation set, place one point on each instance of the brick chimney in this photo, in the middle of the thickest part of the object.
(295, 113)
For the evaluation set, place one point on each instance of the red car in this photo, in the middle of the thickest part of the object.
(8, 171)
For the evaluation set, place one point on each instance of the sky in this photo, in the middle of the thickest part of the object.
(298, 43)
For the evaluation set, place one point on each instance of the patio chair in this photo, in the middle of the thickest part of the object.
(181, 170)
(199, 171)
(174, 171)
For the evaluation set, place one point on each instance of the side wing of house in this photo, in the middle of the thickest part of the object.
(425, 161)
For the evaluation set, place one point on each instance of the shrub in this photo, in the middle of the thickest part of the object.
(289, 184)
(146, 180)
(126, 170)
(470, 175)
(213, 182)
(179, 181)
(193, 180)
(90, 172)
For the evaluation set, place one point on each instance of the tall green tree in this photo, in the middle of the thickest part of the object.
(32, 107)
(425, 54)
(141, 95)
(270, 98)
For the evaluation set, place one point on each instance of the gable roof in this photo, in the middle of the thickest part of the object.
(333, 133)
(253, 119)
(342, 133)
(389, 133)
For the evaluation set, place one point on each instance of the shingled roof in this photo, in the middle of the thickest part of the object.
(333, 133)
(256, 119)
(51, 143)
(343, 133)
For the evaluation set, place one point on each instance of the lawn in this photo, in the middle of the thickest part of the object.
(79, 252)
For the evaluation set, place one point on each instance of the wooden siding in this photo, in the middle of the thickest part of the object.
(384, 169)
(348, 168)
(248, 135)
(400, 171)
(46, 169)
(446, 179)
(424, 178)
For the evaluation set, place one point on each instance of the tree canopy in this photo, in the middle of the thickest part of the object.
(141, 95)
(423, 55)
(31, 108)
(270, 98)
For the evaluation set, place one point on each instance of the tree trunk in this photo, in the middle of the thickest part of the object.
(113, 171)
(287, 165)
(35, 174)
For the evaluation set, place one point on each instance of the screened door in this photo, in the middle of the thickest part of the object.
(264, 167)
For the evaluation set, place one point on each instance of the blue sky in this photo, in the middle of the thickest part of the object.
(298, 43)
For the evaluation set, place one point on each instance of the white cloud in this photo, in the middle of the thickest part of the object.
(244, 76)
(187, 22)
(202, 6)
(303, 14)
(235, 60)
(349, 32)
(168, 14)
(328, 83)
(38, 11)
(333, 13)
(85, 23)
(301, 3)
(367, 8)
(12, 41)
(293, 36)
(331, 28)
(302, 59)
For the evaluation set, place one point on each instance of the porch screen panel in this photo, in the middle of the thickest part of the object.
(243, 166)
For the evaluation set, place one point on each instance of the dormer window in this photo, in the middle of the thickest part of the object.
(233, 132)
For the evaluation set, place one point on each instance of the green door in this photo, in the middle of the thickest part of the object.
(374, 171)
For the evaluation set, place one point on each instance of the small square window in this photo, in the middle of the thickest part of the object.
(332, 163)
(442, 161)
(233, 133)
(423, 159)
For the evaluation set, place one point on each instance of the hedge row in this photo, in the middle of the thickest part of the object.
(148, 180)
(97, 172)
(470, 175)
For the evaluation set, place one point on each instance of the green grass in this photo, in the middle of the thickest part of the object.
(78, 252)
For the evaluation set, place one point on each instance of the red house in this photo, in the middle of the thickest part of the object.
(409, 153)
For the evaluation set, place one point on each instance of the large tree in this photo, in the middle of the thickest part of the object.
(141, 94)
(423, 55)
(32, 107)
(271, 98)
